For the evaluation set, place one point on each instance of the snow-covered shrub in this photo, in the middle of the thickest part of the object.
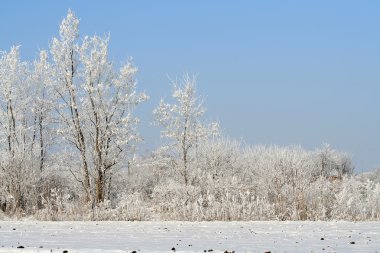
(133, 208)
(319, 198)
(282, 176)
(330, 162)
(357, 200)
(174, 200)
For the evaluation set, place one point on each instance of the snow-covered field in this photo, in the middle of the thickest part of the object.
(189, 236)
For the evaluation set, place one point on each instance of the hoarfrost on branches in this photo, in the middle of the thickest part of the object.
(181, 121)
(95, 106)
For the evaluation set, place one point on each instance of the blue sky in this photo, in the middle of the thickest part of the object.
(273, 72)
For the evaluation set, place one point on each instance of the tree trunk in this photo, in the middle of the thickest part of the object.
(100, 187)
(79, 132)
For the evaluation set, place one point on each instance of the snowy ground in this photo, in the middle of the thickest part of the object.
(189, 237)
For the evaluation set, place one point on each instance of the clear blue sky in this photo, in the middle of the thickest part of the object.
(273, 72)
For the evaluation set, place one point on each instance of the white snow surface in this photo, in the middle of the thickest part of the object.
(265, 236)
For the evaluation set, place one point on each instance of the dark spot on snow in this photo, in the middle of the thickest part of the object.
(267, 252)
(65, 251)
(41, 247)
(13, 229)
(190, 245)
(352, 242)
(322, 239)
(134, 251)
(173, 249)
(210, 250)
(20, 247)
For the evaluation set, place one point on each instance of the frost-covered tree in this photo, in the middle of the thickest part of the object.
(13, 74)
(41, 81)
(109, 102)
(65, 52)
(181, 121)
(16, 121)
(25, 119)
(332, 162)
(94, 104)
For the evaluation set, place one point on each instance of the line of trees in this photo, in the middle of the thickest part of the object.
(68, 137)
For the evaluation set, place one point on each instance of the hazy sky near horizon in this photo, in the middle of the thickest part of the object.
(272, 72)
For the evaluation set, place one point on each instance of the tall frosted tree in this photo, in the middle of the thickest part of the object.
(181, 121)
(94, 104)
(65, 52)
(17, 142)
(41, 106)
